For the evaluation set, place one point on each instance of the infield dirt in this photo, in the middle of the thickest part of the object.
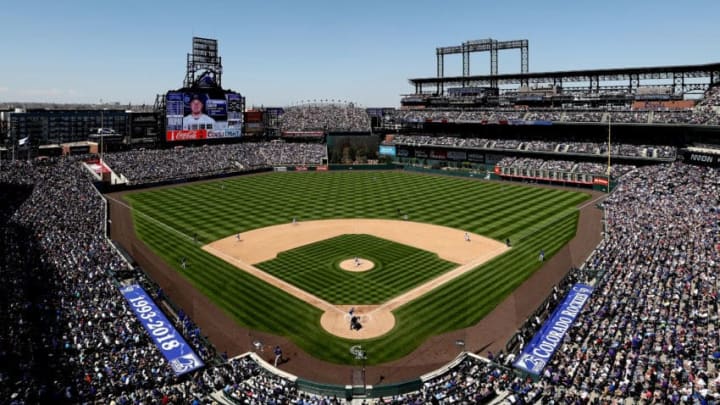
(256, 246)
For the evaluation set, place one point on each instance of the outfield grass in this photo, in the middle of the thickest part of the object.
(315, 268)
(533, 218)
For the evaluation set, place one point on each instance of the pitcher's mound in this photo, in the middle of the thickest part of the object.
(357, 265)
(373, 320)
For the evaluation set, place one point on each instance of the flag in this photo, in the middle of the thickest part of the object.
(23, 141)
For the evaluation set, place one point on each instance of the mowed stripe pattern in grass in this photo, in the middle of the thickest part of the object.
(533, 218)
(397, 268)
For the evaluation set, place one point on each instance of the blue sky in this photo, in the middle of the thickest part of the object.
(279, 52)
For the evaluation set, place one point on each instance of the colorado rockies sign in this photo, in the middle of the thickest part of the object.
(538, 352)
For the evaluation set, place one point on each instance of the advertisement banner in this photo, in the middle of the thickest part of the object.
(404, 153)
(438, 154)
(388, 150)
(601, 181)
(171, 344)
(186, 135)
(476, 157)
(702, 159)
(538, 352)
(456, 155)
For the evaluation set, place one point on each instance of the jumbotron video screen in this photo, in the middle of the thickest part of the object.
(198, 115)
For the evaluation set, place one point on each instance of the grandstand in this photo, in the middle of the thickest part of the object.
(321, 118)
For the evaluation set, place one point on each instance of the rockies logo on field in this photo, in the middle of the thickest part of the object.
(358, 352)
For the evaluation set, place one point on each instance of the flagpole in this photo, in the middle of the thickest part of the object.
(609, 150)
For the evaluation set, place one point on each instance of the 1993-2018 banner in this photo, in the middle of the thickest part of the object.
(171, 344)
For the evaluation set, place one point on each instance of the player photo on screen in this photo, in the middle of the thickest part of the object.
(203, 115)
(197, 119)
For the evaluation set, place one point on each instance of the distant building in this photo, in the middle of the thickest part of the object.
(59, 126)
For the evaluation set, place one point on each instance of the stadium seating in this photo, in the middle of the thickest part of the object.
(648, 333)
(704, 113)
(326, 118)
(578, 148)
(150, 166)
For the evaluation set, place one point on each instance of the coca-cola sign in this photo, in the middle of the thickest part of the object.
(186, 135)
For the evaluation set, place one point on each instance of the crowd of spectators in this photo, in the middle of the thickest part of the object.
(649, 330)
(584, 116)
(595, 168)
(486, 380)
(545, 115)
(705, 113)
(673, 117)
(69, 335)
(472, 380)
(535, 321)
(539, 146)
(530, 166)
(149, 166)
(436, 115)
(581, 148)
(629, 117)
(325, 117)
(246, 382)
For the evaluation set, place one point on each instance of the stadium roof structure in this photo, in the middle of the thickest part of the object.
(594, 77)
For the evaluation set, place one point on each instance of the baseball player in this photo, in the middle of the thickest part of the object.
(467, 237)
(278, 355)
(294, 221)
(542, 255)
(357, 261)
(238, 237)
(183, 262)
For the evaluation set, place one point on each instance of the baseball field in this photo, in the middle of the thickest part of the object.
(416, 255)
